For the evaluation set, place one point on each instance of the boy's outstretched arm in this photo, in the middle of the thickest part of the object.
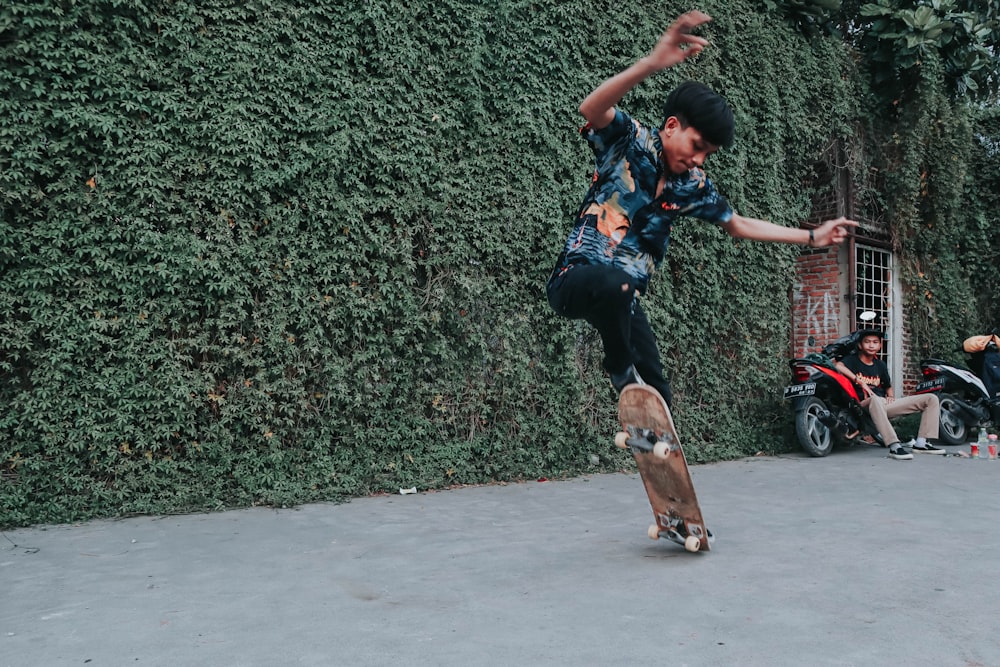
(830, 232)
(675, 45)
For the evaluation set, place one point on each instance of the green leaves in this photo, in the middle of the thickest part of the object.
(900, 34)
(811, 16)
(274, 252)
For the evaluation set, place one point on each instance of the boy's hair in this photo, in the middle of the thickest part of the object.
(704, 109)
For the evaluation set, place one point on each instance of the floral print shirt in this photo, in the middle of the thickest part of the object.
(622, 222)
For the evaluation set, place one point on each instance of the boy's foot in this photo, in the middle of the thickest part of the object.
(897, 452)
(927, 448)
(626, 377)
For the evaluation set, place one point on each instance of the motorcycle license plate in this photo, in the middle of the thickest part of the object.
(796, 390)
(929, 385)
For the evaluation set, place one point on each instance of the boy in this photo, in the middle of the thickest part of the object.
(864, 368)
(645, 178)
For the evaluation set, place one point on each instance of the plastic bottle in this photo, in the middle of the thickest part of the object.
(983, 443)
(993, 445)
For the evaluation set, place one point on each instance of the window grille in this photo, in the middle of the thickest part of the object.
(873, 292)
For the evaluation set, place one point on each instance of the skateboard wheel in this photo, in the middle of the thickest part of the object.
(621, 440)
(653, 532)
(661, 449)
(692, 543)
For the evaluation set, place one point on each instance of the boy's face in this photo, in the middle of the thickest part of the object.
(683, 147)
(871, 344)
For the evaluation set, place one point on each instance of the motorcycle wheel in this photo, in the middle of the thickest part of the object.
(814, 436)
(953, 430)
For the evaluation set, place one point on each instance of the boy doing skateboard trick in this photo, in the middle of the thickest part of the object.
(645, 179)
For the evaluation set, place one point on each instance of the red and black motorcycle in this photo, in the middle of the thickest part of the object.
(827, 405)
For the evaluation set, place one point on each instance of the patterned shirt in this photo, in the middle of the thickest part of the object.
(622, 222)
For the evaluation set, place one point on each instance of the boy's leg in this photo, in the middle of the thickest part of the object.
(603, 296)
(926, 404)
(647, 355)
(877, 410)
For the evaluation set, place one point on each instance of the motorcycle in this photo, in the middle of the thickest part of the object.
(970, 399)
(827, 405)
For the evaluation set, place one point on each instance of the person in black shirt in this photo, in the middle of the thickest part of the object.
(864, 368)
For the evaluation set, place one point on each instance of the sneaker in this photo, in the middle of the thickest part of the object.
(896, 451)
(626, 377)
(927, 448)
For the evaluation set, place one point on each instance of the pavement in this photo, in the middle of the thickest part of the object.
(852, 559)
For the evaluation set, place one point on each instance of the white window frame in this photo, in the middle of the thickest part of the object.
(877, 288)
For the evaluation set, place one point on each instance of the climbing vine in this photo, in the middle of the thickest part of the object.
(273, 252)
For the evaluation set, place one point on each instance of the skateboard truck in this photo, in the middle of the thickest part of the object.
(646, 441)
(689, 536)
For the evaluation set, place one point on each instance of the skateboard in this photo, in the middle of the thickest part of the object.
(648, 431)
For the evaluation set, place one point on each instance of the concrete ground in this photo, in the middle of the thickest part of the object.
(853, 559)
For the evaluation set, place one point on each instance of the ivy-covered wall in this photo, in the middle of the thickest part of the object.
(946, 216)
(273, 252)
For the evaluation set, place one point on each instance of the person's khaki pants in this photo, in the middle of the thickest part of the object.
(881, 412)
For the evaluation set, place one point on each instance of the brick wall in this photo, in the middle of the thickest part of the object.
(817, 311)
(911, 364)
(816, 301)
(818, 314)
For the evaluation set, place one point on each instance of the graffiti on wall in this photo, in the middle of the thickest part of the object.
(821, 314)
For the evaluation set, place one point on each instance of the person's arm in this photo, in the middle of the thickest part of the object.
(830, 232)
(845, 371)
(675, 46)
(851, 375)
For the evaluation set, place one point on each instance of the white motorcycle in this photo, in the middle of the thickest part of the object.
(969, 399)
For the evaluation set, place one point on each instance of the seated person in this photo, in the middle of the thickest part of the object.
(864, 368)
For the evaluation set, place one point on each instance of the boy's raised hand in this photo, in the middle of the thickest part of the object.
(677, 43)
(834, 232)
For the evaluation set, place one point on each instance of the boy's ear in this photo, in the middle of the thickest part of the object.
(672, 122)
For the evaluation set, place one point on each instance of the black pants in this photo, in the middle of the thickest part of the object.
(605, 297)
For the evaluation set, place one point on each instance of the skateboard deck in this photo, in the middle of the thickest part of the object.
(648, 431)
